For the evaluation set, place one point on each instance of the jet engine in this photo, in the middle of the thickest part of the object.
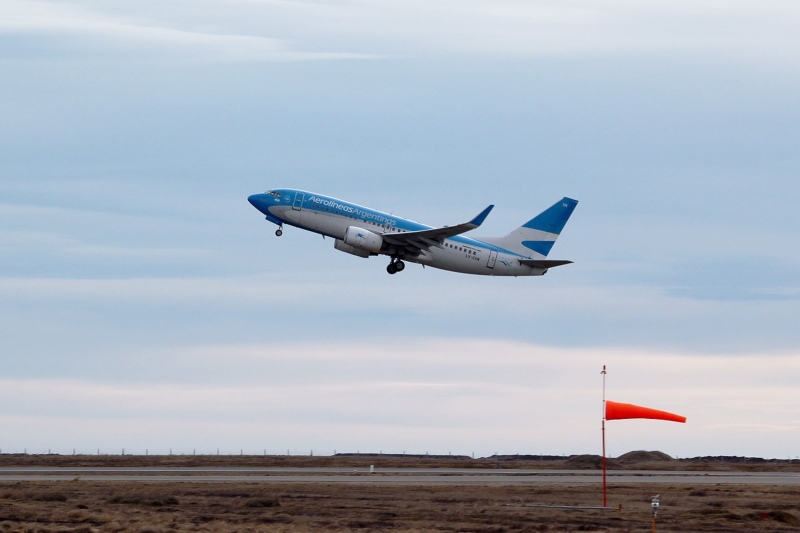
(346, 248)
(363, 239)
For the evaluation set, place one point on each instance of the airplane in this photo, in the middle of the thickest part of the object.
(365, 232)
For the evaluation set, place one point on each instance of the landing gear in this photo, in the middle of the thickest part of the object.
(278, 232)
(395, 266)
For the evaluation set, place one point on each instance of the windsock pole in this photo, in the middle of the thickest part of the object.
(603, 432)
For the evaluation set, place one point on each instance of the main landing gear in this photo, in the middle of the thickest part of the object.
(397, 265)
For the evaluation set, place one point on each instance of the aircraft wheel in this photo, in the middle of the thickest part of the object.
(278, 232)
(391, 269)
(399, 265)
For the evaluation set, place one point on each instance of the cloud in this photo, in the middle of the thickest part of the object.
(291, 31)
(546, 29)
(141, 297)
(340, 300)
(60, 242)
(429, 394)
(64, 29)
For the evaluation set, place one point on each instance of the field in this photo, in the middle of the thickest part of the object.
(91, 506)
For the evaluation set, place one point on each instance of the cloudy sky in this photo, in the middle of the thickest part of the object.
(145, 305)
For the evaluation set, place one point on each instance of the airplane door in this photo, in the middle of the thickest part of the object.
(298, 201)
(492, 259)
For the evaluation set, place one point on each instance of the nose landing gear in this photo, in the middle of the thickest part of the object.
(278, 232)
(396, 265)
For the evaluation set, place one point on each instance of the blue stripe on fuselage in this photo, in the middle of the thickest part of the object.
(329, 205)
(334, 206)
(477, 243)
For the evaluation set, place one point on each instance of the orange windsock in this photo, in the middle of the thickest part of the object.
(622, 411)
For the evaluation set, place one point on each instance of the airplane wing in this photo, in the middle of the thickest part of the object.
(544, 263)
(416, 241)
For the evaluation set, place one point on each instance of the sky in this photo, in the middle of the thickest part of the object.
(146, 306)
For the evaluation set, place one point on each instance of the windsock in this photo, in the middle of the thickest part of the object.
(623, 411)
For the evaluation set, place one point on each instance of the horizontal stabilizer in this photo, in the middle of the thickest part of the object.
(544, 263)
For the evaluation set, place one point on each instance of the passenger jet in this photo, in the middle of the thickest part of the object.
(364, 232)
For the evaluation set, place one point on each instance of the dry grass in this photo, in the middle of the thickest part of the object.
(249, 507)
(140, 507)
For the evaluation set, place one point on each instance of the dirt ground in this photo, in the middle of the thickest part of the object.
(78, 506)
(89, 506)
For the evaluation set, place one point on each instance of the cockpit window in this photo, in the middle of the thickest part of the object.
(276, 194)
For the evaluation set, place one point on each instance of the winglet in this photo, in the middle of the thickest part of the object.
(478, 220)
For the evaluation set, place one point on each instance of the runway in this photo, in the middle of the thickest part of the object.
(390, 476)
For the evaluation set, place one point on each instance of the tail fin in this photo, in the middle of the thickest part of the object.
(536, 237)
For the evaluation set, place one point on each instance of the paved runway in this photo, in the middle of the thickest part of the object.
(390, 476)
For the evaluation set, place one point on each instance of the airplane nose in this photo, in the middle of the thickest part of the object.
(258, 201)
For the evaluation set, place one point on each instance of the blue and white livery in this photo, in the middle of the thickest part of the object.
(365, 232)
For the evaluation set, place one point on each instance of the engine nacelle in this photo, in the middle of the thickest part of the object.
(363, 239)
(346, 248)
